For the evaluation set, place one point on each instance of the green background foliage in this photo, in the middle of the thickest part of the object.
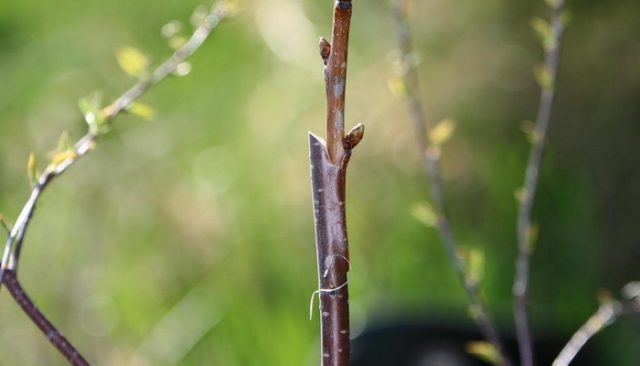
(188, 239)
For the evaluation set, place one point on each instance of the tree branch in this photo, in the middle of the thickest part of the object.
(14, 242)
(430, 155)
(547, 78)
(328, 184)
(606, 314)
(15, 239)
(48, 329)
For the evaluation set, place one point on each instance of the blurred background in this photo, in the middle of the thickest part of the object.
(188, 239)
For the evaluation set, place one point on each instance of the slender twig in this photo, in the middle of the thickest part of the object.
(606, 314)
(328, 181)
(48, 329)
(431, 164)
(85, 144)
(521, 281)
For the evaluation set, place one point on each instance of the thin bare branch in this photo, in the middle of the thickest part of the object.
(606, 314)
(430, 155)
(547, 80)
(14, 242)
(48, 329)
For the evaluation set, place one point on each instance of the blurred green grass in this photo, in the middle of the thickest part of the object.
(188, 239)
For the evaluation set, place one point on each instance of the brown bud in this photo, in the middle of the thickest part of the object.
(325, 50)
(354, 136)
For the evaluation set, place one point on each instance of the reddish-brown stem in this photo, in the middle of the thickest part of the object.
(48, 329)
(328, 185)
(336, 78)
(328, 173)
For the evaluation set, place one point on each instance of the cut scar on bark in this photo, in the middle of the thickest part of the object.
(331, 260)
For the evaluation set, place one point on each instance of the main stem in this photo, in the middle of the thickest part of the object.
(523, 261)
(328, 178)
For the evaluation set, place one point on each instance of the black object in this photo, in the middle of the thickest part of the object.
(422, 343)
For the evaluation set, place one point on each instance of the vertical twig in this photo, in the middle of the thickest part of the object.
(430, 155)
(328, 175)
(547, 78)
(334, 56)
(48, 329)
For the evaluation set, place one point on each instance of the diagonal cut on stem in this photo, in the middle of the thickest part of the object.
(328, 183)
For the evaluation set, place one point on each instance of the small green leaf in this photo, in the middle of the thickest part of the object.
(519, 194)
(439, 134)
(424, 213)
(63, 141)
(230, 7)
(32, 169)
(182, 69)
(199, 15)
(176, 41)
(545, 33)
(142, 110)
(529, 128)
(552, 3)
(133, 62)
(60, 157)
(544, 78)
(473, 259)
(171, 29)
(91, 108)
(397, 87)
(484, 351)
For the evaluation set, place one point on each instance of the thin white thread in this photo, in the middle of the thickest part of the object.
(322, 290)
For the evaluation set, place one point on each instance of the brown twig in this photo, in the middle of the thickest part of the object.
(430, 155)
(521, 281)
(48, 329)
(336, 77)
(14, 242)
(328, 182)
(606, 314)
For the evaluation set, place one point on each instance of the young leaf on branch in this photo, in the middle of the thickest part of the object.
(32, 169)
(133, 62)
(142, 110)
